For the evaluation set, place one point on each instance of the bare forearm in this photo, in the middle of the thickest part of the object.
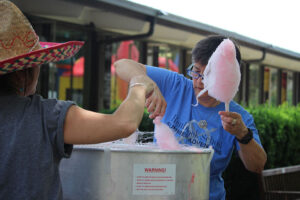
(132, 109)
(253, 156)
(86, 127)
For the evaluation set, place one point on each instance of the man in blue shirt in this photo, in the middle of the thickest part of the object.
(219, 129)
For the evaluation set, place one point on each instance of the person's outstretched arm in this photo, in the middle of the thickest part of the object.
(127, 70)
(86, 127)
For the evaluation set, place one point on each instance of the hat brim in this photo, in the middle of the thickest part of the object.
(51, 52)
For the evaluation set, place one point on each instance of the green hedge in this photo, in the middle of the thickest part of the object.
(279, 130)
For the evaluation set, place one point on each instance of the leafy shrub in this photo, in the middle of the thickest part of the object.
(279, 130)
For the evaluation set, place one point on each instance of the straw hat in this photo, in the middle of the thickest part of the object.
(19, 44)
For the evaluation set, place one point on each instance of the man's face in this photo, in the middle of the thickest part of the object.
(197, 83)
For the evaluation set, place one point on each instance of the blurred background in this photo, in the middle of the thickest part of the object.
(115, 29)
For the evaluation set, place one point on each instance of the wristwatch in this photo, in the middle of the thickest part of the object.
(247, 138)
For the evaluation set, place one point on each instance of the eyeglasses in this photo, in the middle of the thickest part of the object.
(193, 74)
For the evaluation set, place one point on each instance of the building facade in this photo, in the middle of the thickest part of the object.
(115, 29)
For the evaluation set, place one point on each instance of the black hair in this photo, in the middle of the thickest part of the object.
(206, 47)
(10, 83)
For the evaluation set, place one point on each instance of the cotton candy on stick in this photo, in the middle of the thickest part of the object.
(165, 136)
(222, 74)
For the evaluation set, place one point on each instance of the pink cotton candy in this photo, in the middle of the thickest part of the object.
(165, 136)
(222, 74)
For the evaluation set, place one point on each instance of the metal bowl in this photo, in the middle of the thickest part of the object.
(113, 171)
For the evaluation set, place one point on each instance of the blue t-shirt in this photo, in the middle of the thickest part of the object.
(31, 147)
(179, 94)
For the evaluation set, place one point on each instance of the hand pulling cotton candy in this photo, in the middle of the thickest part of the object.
(222, 74)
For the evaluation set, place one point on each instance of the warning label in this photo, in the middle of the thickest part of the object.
(154, 179)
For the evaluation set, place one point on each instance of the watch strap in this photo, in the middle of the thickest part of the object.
(247, 138)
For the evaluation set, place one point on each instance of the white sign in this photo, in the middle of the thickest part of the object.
(154, 179)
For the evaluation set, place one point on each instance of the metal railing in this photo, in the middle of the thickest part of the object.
(281, 183)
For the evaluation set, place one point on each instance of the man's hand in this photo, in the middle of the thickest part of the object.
(155, 103)
(232, 122)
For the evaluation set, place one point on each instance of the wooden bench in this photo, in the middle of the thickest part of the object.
(281, 183)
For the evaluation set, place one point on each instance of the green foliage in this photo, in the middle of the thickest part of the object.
(279, 130)
(147, 123)
(108, 111)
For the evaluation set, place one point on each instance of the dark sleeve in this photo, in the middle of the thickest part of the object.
(55, 116)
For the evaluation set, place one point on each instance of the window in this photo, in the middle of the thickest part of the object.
(253, 84)
(56, 79)
(287, 87)
(273, 86)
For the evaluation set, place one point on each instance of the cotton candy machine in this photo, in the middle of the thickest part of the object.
(114, 171)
